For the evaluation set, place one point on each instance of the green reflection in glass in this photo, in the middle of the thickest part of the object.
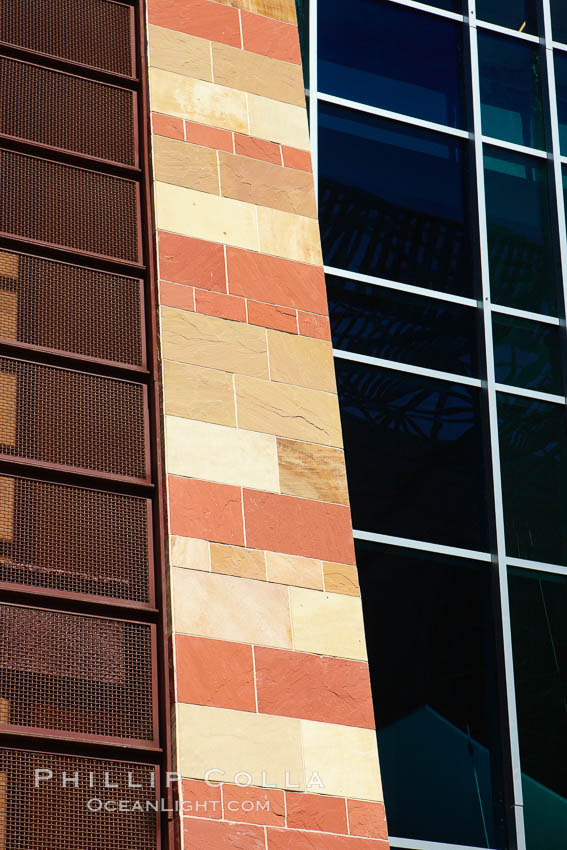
(518, 15)
(533, 452)
(510, 90)
(522, 259)
(527, 354)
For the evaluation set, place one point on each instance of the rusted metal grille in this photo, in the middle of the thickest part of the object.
(57, 815)
(67, 308)
(74, 540)
(66, 112)
(75, 673)
(91, 32)
(72, 419)
(69, 207)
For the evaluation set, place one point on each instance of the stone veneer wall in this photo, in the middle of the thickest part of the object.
(270, 664)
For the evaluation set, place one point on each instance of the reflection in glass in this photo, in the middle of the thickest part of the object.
(518, 15)
(559, 20)
(393, 325)
(522, 260)
(538, 602)
(376, 52)
(533, 454)
(527, 354)
(392, 201)
(414, 455)
(561, 88)
(510, 90)
(431, 653)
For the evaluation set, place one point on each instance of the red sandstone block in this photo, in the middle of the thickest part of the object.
(298, 527)
(204, 18)
(257, 148)
(215, 672)
(270, 38)
(289, 839)
(313, 687)
(221, 305)
(209, 137)
(368, 819)
(176, 295)
(310, 324)
(254, 805)
(192, 261)
(294, 158)
(216, 835)
(284, 282)
(165, 125)
(201, 799)
(207, 511)
(314, 811)
(279, 318)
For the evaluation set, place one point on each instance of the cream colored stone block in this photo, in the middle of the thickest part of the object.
(288, 235)
(258, 74)
(315, 617)
(278, 122)
(216, 343)
(198, 393)
(221, 454)
(238, 561)
(183, 164)
(180, 53)
(344, 758)
(197, 100)
(294, 570)
(219, 744)
(288, 411)
(189, 553)
(205, 216)
(302, 361)
(231, 608)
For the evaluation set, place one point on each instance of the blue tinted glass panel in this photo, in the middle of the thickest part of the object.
(561, 87)
(396, 58)
(414, 455)
(518, 15)
(522, 259)
(392, 201)
(510, 90)
(559, 20)
(435, 695)
(538, 602)
(392, 325)
(527, 354)
(533, 453)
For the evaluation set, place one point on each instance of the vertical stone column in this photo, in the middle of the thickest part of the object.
(273, 699)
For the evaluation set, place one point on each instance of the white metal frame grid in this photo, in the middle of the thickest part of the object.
(501, 559)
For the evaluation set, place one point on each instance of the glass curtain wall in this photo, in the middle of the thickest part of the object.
(439, 141)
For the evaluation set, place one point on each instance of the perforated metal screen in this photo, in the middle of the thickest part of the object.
(70, 418)
(98, 33)
(67, 112)
(57, 817)
(71, 309)
(69, 207)
(74, 540)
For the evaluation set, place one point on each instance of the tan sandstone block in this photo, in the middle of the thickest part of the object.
(239, 742)
(312, 472)
(184, 164)
(294, 570)
(198, 100)
(216, 343)
(278, 122)
(189, 553)
(288, 411)
(281, 10)
(198, 393)
(258, 74)
(236, 561)
(302, 361)
(231, 608)
(180, 53)
(266, 184)
(341, 578)
(315, 616)
(288, 235)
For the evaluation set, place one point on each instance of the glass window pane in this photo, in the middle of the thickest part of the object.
(538, 602)
(447, 5)
(533, 454)
(396, 58)
(527, 354)
(381, 322)
(561, 87)
(559, 20)
(522, 259)
(518, 15)
(404, 220)
(510, 90)
(435, 696)
(414, 455)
